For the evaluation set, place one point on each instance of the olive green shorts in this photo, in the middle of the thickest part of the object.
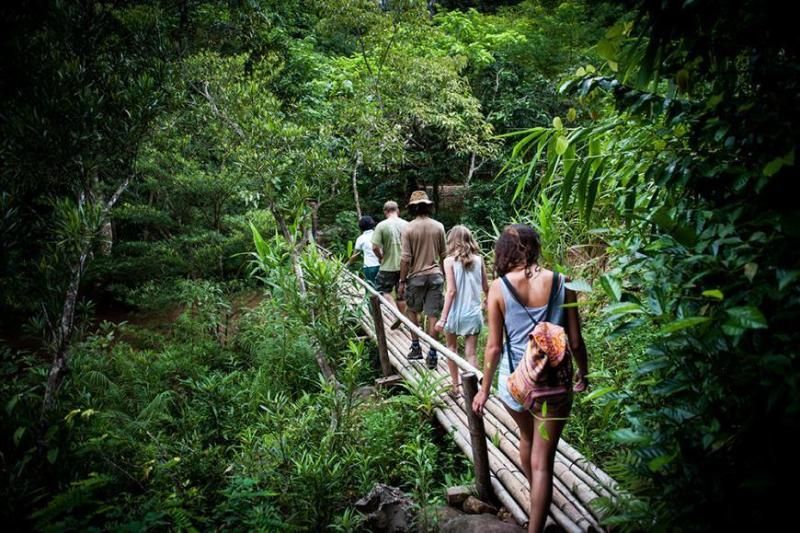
(425, 294)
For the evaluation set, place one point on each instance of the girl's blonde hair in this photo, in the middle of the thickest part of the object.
(462, 246)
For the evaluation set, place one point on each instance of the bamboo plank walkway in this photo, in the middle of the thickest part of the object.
(576, 483)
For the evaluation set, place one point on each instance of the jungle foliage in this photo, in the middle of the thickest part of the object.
(172, 159)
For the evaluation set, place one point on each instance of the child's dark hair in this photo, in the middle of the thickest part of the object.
(517, 246)
(366, 223)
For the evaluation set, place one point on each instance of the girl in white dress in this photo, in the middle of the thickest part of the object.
(465, 276)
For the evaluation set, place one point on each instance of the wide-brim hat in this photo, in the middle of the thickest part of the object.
(419, 197)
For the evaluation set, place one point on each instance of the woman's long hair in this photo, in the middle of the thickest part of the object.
(461, 245)
(517, 246)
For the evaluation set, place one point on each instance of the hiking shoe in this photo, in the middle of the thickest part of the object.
(431, 359)
(415, 353)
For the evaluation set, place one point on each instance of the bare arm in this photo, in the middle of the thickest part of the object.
(378, 251)
(484, 280)
(576, 344)
(442, 250)
(450, 295)
(494, 346)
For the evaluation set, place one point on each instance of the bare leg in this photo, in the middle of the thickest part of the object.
(452, 343)
(541, 465)
(470, 349)
(401, 306)
(525, 424)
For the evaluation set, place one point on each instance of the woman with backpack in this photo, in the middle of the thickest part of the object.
(525, 314)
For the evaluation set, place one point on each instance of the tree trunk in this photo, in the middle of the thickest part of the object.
(355, 184)
(106, 238)
(313, 234)
(58, 368)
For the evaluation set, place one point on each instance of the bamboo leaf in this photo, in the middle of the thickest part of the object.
(591, 194)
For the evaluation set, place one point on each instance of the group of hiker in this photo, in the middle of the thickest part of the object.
(416, 261)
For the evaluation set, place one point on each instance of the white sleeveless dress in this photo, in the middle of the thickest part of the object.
(465, 316)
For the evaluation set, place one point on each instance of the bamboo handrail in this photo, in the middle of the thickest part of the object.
(441, 348)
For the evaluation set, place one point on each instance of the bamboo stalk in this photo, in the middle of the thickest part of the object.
(574, 456)
(380, 335)
(477, 434)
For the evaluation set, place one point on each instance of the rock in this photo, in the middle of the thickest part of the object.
(387, 509)
(457, 495)
(445, 513)
(365, 392)
(473, 505)
(479, 523)
(504, 515)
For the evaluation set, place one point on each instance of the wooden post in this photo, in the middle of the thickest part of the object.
(380, 335)
(477, 433)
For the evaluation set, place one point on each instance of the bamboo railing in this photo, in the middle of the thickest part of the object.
(576, 481)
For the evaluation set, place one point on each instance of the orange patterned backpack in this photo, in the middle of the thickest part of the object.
(546, 367)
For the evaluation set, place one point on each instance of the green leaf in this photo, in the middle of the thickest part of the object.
(557, 124)
(683, 323)
(787, 277)
(591, 193)
(657, 463)
(18, 435)
(623, 308)
(578, 285)
(714, 294)
(572, 114)
(772, 168)
(750, 270)
(746, 317)
(607, 50)
(561, 145)
(583, 185)
(544, 409)
(628, 436)
(612, 287)
(52, 455)
(597, 393)
(571, 166)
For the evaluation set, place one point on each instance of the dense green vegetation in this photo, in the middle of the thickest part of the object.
(168, 163)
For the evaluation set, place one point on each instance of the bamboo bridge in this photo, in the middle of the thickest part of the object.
(576, 483)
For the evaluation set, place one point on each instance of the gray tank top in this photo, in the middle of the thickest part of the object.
(519, 324)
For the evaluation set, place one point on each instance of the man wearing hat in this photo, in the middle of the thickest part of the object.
(421, 274)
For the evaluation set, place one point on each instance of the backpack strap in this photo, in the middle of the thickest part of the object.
(551, 301)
